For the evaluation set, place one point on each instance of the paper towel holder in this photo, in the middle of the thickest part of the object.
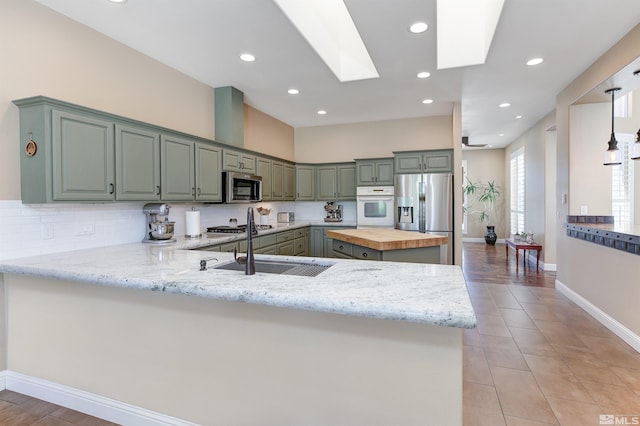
(192, 224)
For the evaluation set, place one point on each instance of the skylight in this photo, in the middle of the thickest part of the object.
(465, 31)
(329, 29)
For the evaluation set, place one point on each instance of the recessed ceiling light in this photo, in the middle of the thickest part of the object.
(504, 105)
(501, 134)
(293, 91)
(322, 112)
(424, 74)
(118, 1)
(418, 27)
(518, 117)
(247, 57)
(427, 101)
(535, 61)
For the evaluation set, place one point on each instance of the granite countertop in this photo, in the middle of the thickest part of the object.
(420, 293)
(387, 238)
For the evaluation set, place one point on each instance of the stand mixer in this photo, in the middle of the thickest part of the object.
(334, 212)
(159, 228)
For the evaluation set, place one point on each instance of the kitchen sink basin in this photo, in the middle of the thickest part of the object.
(282, 267)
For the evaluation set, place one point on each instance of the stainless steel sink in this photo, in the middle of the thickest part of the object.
(281, 267)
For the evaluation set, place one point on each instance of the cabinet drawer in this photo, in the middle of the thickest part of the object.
(365, 253)
(285, 249)
(300, 246)
(342, 247)
(210, 248)
(300, 233)
(266, 250)
(282, 237)
(268, 240)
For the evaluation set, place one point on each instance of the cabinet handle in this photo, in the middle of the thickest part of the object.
(112, 188)
(199, 191)
(341, 247)
(158, 190)
(364, 254)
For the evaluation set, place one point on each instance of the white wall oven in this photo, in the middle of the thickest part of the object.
(374, 207)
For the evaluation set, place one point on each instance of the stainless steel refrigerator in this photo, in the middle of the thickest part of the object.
(424, 203)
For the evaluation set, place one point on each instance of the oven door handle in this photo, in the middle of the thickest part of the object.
(374, 198)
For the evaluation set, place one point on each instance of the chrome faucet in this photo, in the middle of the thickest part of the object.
(248, 260)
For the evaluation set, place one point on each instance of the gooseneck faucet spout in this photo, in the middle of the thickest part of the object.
(250, 266)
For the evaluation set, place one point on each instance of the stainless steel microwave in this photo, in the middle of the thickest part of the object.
(241, 188)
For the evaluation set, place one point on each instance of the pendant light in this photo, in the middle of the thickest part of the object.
(612, 155)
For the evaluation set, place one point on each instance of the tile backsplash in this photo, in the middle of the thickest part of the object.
(33, 229)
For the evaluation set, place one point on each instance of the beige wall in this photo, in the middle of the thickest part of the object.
(215, 362)
(265, 134)
(485, 165)
(44, 53)
(588, 269)
(346, 142)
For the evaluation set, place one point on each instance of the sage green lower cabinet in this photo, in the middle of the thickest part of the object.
(137, 164)
(294, 242)
(346, 250)
(320, 245)
(83, 158)
(305, 182)
(178, 169)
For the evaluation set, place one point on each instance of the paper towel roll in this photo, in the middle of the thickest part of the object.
(192, 221)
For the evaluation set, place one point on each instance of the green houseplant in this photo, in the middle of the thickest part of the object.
(487, 194)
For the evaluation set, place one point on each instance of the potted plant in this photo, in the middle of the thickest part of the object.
(487, 194)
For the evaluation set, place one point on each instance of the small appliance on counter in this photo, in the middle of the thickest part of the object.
(286, 217)
(334, 212)
(159, 228)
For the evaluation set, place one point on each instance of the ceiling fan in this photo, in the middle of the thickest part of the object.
(465, 142)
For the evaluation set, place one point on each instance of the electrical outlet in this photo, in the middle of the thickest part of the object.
(584, 210)
(85, 229)
(47, 231)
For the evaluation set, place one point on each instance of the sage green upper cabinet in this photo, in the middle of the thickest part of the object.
(263, 169)
(336, 182)
(83, 158)
(435, 161)
(374, 172)
(346, 181)
(238, 161)
(137, 164)
(208, 172)
(305, 182)
(289, 182)
(178, 169)
(277, 181)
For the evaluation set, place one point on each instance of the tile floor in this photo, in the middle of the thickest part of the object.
(535, 357)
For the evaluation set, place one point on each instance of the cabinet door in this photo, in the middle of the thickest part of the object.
(408, 163)
(438, 161)
(277, 189)
(177, 173)
(83, 158)
(263, 169)
(384, 172)
(346, 182)
(137, 164)
(305, 183)
(208, 175)
(366, 173)
(317, 241)
(289, 182)
(326, 183)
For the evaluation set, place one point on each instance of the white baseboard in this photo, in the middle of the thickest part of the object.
(602, 317)
(86, 402)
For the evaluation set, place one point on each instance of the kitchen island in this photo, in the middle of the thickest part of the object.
(143, 326)
(388, 244)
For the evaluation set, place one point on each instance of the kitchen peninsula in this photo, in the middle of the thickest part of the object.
(387, 244)
(361, 343)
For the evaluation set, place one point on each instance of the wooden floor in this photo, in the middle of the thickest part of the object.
(20, 410)
(536, 358)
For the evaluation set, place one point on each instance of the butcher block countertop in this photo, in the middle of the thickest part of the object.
(386, 238)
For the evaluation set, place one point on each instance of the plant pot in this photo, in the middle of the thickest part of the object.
(490, 237)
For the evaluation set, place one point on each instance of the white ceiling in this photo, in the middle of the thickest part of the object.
(203, 39)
